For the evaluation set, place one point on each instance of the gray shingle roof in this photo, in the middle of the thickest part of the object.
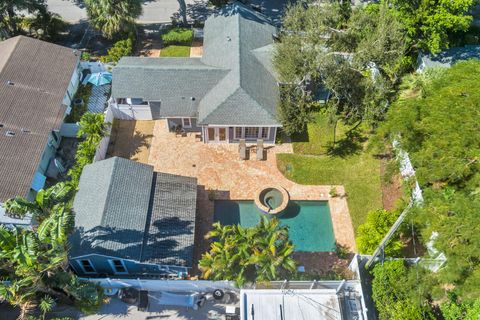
(124, 209)
(230, 40)
(233, 83)
(173, 81)
(40, 73)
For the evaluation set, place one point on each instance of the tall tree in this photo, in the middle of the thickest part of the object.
(113, 17)
(248, 255)
(9, 12)
(439, 129)
(357, 54)
(430, 22)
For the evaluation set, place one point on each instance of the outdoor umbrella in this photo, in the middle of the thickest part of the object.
(100, 78)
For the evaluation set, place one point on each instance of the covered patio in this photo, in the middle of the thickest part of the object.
(222, 175)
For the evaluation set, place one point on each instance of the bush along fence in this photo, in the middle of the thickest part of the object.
(102, 147)
(416, 199)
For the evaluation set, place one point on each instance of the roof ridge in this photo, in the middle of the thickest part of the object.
(111, 175)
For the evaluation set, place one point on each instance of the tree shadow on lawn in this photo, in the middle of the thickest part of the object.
(300, 136)
(350, 145)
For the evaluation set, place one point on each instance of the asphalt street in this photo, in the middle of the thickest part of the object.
(154, 11)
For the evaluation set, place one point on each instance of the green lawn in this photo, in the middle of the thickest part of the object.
(350, 166)
(175, 51)
(319, 137)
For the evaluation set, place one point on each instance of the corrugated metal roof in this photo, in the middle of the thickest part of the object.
(34, 77)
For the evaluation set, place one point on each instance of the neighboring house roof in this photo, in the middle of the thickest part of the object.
(34, 77)
(232, 84)
(124, 209)
(448, 57)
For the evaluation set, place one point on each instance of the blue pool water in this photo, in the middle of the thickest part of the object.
(309, 222)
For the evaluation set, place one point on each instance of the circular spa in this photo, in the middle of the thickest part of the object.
(272, 200)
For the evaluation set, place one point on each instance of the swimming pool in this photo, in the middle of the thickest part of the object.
(309, 222)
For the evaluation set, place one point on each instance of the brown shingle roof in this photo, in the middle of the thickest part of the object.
(34, 77)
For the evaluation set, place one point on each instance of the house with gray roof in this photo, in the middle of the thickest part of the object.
(132, 222)
(228, 94)
(37, 82)
(447, 58)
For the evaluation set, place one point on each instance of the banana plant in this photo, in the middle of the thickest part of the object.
(45, 200)
(57, 226)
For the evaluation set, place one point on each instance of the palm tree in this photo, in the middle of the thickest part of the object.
(261, 253)
(113, 17)
(9, 12)
(92, 127)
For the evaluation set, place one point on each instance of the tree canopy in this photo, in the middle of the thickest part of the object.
(356, 54)
(113, 17)
(9, 10)
(397, 294)
(430, 22)
(439, 128)
(371, 233)
(248, 255)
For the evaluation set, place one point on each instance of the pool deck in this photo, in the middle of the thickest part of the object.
(223, 175)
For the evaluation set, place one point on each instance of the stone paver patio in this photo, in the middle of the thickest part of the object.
(131, 140)
(222, 175)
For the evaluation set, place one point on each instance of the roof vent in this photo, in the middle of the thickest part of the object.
(10, 83)
(10, 134)
(192, 98)
(229, 39)
(25, 130)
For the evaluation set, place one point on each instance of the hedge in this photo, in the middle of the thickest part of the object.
(178, 36)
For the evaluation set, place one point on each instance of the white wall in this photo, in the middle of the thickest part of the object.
(103, 145)
(131, 112)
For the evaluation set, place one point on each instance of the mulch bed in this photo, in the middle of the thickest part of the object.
(392, 190)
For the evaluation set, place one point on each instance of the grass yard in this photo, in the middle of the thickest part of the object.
(348, 165)
(319, 137)
(175, 51)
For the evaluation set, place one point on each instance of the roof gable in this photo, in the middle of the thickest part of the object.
(230, 40)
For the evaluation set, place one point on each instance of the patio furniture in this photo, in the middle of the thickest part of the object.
(198, 137)
(260, 150)
(242, 149)
(100, 78)
(179, 131)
